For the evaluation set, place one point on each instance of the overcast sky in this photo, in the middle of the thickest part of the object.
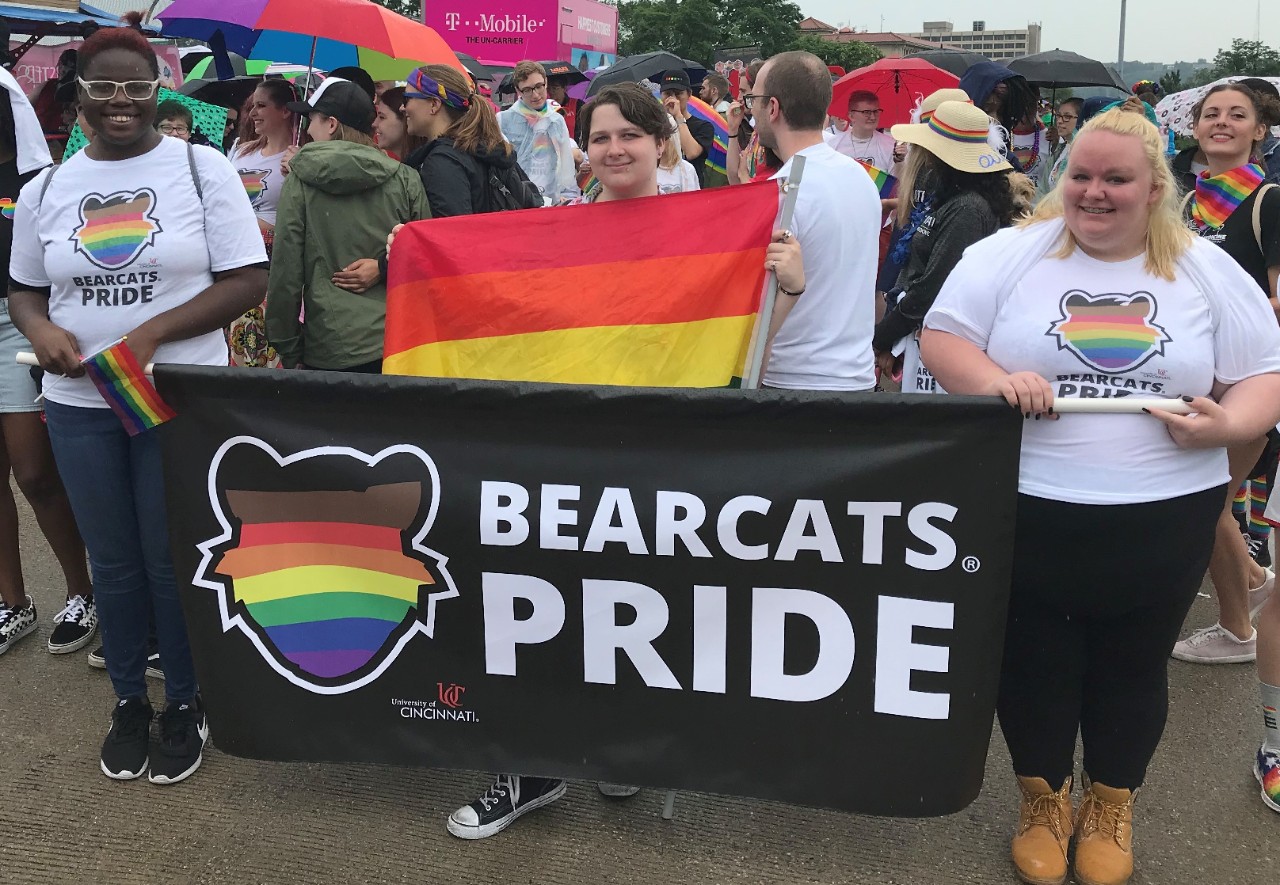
(1158, 30)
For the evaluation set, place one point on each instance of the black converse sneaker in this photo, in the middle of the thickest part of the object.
(97, 659)
(510, 796)
(76, 624)
(124, 752)
(155, 670)
(16, 623)
(177, 751)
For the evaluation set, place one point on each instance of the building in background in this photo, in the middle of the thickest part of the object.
(889, 44)
(997, 45)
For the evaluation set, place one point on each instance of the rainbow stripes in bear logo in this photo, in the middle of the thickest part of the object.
(255, 183)
(7, 207)
(115, 229)
(1110, 333)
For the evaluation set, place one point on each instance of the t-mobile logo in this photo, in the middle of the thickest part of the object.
(451, 19)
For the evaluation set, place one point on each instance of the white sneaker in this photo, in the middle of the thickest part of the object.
(1217, 645)
(1258, 596)
(15, 624)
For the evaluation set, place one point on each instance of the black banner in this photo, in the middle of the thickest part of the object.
(793, 596)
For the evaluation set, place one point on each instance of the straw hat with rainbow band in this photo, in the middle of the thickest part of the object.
(959, 135)
(929, 104)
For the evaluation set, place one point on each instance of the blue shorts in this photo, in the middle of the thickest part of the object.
(18, 390)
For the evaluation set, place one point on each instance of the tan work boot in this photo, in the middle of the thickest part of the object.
(1104, 836)
(1039, 848)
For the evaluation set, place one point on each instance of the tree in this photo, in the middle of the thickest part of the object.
(1245, 58)
(408, 8)
(850, 56)
(1171, 82)
(687, 28)
(769, 24)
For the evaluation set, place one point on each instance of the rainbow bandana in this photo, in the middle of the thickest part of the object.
(421, 85)
(1218, 196)
(965, 136)
(124, 385)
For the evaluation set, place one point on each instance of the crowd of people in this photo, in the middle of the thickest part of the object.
(1030, 260)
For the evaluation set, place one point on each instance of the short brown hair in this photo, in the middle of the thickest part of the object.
(863, 95)
(526, 69)
(637, 106)
(720, 83)
(802, 85)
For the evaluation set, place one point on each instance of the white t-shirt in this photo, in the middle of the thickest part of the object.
(678, 180)
(122, 241)
(1032, 151)
(825, 342)
(1110, 329)
(876, 150)
(262, 179)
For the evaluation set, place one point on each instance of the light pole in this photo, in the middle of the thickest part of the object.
(1120, 55)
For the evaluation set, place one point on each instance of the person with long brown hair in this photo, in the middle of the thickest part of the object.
(391, 125)
(464, 144)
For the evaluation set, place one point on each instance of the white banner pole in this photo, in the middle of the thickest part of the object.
(755, 363)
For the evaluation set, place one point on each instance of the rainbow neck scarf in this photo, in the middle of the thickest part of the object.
(1218, 196)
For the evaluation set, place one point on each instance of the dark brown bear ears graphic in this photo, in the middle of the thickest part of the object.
(392, 505)
(140, 201)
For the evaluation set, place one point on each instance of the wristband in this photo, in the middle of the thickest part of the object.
(792, 294)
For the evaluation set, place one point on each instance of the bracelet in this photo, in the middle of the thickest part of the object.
(792, 294)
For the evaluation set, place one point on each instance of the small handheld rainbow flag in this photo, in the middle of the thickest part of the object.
(718, 156)
(123, 384)
(884, 182)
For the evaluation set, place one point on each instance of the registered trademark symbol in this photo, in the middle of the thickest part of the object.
(971, 564)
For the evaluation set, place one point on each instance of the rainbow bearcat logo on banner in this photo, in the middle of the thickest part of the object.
(1110, 333)
(115, 229)
(328, 579)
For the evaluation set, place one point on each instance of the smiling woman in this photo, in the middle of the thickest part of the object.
(148, 242)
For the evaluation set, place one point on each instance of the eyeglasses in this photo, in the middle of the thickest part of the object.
(749, 101)
(105, 90)
(1067, 117)
(180, 129)
(867, 112)
(534, 90)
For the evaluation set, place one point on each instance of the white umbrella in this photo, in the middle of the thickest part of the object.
(1174, 111)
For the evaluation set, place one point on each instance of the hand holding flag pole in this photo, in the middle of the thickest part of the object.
(760, 338)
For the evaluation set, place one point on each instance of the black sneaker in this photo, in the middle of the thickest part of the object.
(154, 668)
(1258, 549)
(75, 626)
(16, 623)
(178, 748)
(124, 752)
(510, 796)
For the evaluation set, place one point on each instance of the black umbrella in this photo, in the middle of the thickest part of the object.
(953, 61)
(224, 93)
(1057, 68)
(477, 70)
(634, 68)
(566, 70)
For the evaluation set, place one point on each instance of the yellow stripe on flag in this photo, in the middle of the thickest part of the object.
(307, 579)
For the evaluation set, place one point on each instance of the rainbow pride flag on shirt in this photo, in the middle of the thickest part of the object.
(718, 156)
(884, 182)
(124, 385)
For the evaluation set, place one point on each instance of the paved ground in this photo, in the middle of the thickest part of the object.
(1200, 819)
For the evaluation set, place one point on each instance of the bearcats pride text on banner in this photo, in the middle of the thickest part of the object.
(794, 596)
(629, 292)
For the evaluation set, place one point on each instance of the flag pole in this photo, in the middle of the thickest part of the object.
(755, 362)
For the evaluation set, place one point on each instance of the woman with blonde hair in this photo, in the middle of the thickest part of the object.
(1104, 293)
(676, 175)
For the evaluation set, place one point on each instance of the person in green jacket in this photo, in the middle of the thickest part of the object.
(326, 299)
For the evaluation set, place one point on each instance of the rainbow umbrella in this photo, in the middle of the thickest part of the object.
(316, 33)
(718, 156)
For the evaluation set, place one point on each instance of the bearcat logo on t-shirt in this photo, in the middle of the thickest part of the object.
(255, 183)
(7, 207)
(114, 229)
(1110, 332)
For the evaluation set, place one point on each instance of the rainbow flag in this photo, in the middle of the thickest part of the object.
(1217, 197)
(323, 574)
(123, 384)
(718, 156)
(884, 182)
(666, 295)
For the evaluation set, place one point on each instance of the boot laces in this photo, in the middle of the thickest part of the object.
(1104, 817)
(1043, 810)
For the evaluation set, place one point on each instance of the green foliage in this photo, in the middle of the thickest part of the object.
(1171, 81)
(409, 8)
(769, 24)
(1246, 58)
(850, 56)
(694, 29)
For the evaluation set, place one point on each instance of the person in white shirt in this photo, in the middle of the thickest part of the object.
(825, 342)
(861, 140)
(676, 175)
(1104, 294)
(715, 92)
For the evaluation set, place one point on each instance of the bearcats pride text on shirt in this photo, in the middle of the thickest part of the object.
(119, 242)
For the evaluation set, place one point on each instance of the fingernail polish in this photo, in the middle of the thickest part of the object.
(1026, 416)
(1051, 410)
(1037, 417)
(1187, 399)
(1148, 411)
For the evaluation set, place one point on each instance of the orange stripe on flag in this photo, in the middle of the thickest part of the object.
(535, 301)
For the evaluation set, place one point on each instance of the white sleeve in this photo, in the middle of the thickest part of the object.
(1246, 339)
(968, 302)
(230, 227)
(26, 260)
(690, 177)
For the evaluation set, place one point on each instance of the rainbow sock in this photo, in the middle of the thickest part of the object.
(1270, 718)
(1240, 502)
(1259, 492)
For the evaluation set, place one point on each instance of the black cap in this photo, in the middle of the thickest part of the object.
(677, 80)
(341, 99)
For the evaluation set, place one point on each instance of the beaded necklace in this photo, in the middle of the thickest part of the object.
(1027, 159)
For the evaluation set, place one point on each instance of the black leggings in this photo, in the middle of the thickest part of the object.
(1099, 596)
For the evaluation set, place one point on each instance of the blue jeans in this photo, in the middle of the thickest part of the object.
(116, 486)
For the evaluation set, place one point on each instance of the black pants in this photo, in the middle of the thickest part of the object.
(1099, 596)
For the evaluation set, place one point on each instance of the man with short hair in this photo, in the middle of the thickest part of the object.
(715, 92)
(861, 140)
(825, 341)
(695, 135)
(544, 148)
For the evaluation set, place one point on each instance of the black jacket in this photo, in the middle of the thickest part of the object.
(455, 181)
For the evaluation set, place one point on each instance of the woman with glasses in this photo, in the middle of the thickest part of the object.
(1065, 125)
(150, 242)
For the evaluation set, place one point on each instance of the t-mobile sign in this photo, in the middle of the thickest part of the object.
(506, 31)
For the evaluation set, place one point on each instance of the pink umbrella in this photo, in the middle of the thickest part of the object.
(899, 83)
(579, 90)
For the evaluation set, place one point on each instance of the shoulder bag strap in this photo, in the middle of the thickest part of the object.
(1257, 215)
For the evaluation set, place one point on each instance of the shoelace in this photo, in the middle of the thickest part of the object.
(500, 788)
(1104, 817)
(1209, 634)
(74, 610)
(6, 614)
(129, 727)
(1044, 810)
(174, 725)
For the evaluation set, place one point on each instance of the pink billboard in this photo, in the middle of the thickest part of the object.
(502, 32)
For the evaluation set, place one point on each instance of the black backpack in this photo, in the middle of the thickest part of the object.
(508, 188)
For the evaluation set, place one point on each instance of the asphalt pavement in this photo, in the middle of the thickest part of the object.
(1199, 819)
